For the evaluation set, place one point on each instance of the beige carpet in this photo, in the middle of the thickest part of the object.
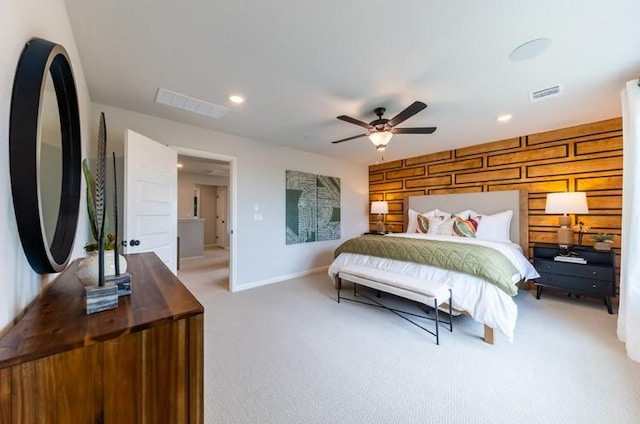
(288, 353)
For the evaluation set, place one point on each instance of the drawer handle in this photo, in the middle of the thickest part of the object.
(594, 286)
(548, 266)
(594, 272)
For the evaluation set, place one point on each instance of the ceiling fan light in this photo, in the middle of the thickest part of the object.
(380, 139)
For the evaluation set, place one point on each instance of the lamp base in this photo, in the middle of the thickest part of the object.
(565, 237)
(380, 225)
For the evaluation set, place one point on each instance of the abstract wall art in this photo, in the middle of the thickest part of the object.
(312, 207)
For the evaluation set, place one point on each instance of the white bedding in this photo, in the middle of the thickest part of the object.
(483, 301)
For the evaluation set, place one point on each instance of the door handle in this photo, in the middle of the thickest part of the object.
(134, 242)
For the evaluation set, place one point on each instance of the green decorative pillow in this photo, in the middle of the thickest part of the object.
(465, 227)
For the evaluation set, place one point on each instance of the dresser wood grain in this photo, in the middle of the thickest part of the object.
(139, 363)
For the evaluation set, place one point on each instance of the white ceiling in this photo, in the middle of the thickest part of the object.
(301, 63)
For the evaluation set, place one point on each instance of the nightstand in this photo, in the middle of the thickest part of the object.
(595, 278)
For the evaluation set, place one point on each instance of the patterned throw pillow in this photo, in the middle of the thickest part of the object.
(423, 224)
(466, 227)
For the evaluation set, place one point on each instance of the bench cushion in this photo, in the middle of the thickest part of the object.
(432, 289)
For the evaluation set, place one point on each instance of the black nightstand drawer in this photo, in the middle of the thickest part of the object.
(577, 284)
(595, 278)
(575, 270)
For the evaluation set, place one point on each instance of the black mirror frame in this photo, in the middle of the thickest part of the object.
(39, 58)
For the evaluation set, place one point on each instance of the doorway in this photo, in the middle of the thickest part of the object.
(213, 177)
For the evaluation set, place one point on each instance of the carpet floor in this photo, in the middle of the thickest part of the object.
(289, 353)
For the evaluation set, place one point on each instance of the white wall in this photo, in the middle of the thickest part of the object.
(186, 184)
(262, 255)
(21, 20)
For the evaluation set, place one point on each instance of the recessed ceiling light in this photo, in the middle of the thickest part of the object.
(236, 99)
(530, 49)
(504, 118)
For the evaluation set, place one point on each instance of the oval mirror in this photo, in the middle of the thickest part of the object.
(44, 153)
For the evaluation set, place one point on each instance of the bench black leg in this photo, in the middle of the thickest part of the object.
(435, 306)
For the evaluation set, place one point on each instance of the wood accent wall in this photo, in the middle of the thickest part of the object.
(581, 158)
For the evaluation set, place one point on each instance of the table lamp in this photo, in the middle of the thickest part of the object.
(566, 203)
(380, 207)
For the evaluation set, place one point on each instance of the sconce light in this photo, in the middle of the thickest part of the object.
(380, 207)
(566, 203)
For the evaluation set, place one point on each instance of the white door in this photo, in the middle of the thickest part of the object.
(150, 198)
(222, 227)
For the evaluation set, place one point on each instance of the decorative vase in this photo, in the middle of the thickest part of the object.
(88, 267)
(601, 245)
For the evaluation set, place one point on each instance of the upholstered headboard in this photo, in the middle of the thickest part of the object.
(488, 202)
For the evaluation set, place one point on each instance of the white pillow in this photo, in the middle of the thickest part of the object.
(412, 218)
(494, 227)
(412, 221)
(441, 225)
(465, 214)
(438, 212)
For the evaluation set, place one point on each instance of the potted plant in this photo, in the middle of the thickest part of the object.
(580, 228)
(602, 241)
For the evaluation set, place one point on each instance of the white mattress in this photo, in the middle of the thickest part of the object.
(483, 301)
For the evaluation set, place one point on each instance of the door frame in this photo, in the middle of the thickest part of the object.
(231, 200)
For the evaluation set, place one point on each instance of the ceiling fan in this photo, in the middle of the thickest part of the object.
(381, 130)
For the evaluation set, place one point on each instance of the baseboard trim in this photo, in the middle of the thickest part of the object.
(280, 278)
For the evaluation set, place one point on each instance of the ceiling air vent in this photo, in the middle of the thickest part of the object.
(191, 104)
(545, 93)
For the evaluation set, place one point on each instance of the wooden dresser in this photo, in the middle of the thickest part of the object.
(139, 363)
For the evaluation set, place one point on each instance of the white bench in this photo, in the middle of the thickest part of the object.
(429, 293)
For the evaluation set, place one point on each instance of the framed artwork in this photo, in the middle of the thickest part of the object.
(312, 207)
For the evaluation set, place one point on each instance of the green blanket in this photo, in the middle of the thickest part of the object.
(479, 261)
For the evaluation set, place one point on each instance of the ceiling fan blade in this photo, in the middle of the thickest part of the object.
(350, 138)
(354, 121)
(422, 130)
(411, 110)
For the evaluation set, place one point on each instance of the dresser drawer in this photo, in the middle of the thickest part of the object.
(575, 270)
(577, 284)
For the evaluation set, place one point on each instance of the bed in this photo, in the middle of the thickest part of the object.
(475, 295)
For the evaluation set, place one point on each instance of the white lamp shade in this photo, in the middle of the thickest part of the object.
(565, 203)
(379, 207)
(380, 139)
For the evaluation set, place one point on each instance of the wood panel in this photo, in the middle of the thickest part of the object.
(600, 127)
(164, 376)
(6, 410)
(582, 158)
(196, 369)
(67, 386)
(480, 149)
(122, 363)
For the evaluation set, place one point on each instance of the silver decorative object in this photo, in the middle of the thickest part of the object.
(103, 296)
